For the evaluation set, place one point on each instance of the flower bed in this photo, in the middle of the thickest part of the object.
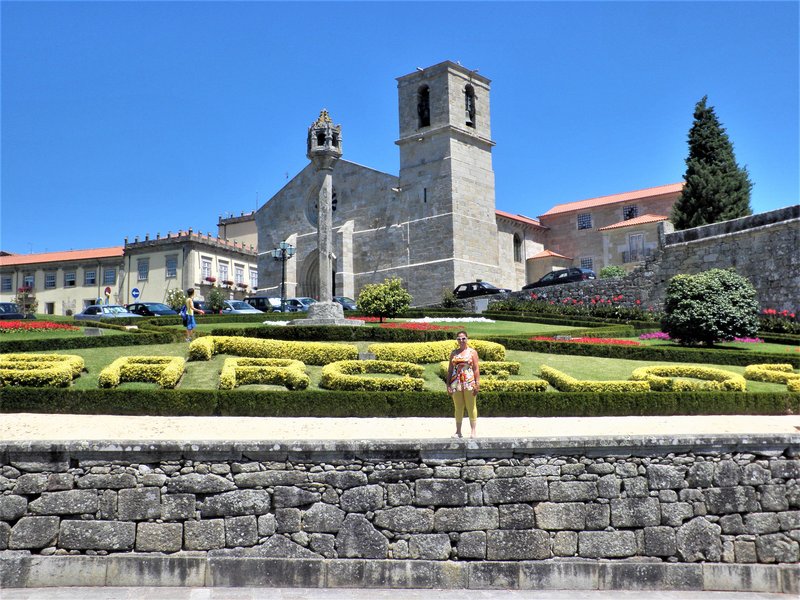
(346, 375)
(661, 379)
(310, 353)
(585, 340)
(166, 371)
(29, 325)
(39, 370)
(277, 371)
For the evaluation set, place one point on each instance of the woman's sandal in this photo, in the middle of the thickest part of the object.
(456, 436)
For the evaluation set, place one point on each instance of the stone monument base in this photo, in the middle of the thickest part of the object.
(326, 313)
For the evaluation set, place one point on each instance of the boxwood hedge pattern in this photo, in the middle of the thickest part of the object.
(277, 371)
(566, 383)
(771, 373)
(39, 370)
(166, 371)
(310, 353)
(431, 352)
(661, 378)
(348, 375)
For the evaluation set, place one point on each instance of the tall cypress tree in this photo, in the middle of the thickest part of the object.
(716, 188)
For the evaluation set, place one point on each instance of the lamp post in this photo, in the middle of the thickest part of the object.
(283, 252)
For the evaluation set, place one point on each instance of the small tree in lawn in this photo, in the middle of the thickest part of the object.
(717, 188)
(215, 299)
(175, 299)
(384, 300)
(714, 306)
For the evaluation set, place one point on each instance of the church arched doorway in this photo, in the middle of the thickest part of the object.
(309, 282)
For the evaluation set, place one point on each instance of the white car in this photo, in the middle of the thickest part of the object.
(238, 307)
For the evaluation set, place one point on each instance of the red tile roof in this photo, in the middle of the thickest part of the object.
(550, 254)
(67, 255)
(643, 220)
(661, 190)
(520, 218)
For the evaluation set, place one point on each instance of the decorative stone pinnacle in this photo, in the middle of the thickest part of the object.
(323, 120)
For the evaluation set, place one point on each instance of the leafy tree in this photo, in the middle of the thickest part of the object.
(716, 188)
(712, 306)
(611, 271)
(215, 299)
(384, 300)
(175, 299)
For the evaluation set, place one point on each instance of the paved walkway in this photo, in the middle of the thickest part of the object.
(142, 593)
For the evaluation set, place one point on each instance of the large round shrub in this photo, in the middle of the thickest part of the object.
(714, 306)
(384, 300)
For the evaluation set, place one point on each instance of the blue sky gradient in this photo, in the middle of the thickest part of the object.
(126, 118)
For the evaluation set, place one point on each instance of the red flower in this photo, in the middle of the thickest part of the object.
(8, 326)
(587, 340)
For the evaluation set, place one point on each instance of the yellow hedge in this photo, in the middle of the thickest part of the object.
(492, 368)
(566, 383)
(166, 371)
(660, 378)
(348, 375)
(431, 352)
(778, 373)
(39, 370)
(278, 371)
(495, 377)
(310, 353)
(793, 385)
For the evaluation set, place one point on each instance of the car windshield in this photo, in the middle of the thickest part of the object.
(8, 307)
(345, 299)
(306, 300)
(488, 286)
(238, 305)
(114, 310)
(157, 306)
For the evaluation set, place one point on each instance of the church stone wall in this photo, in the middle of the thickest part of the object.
(488, 513)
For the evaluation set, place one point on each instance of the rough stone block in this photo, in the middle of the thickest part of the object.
(405, 519)
(290, 496)
(659, 541)
(502, 544)
(732, 524)
(40, 462)
(159, 537)
(12, 507)
(139, 504)
(516, 516)
(758, 523)
(699, 540)
(31, 483)
(560, 515)
(397, 494)
(31, 533)
(60, 481)
(573, 491)
(236, 503)
(676, 513)
(745, 551)
(635, 512)
(323, 518)
(515, 490)
(609, 486)
(343, 480)
(241, 531)
(789, 520)
(636, 487)
(362, 499)
(429, 546)
(773, 498)
(477, 473)
(777, 548)
(107, 509)
(5, 534)
(565, 543)
(262, 479)
(598, 516)
(785, 469)
(267, 525)
(177, 507)
(71, 502)
(440, 492)
(324, 544)
(195, 483)
(466, 518)
(754, 474)
(395, 475)
(723, 501)
(204, 535)
(97, 535)
(287, 520)
(279, 546)
(106, 481)
(727, 474)
(701, 475)
(663, 477)
(472, 544)
(359, 539)
(606, 544)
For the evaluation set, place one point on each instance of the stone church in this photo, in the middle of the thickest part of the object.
(435, 225)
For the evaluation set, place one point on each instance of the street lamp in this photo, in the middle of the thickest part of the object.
(283, 252)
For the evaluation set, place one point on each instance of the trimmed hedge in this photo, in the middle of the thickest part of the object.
(166, 371)
(348, 375)
(771, 373)
(313, 403)
(661, 379)
(140, 338)
(310, 353)
(567, 383)
(740, 358)
(277, 371)
(335, 334)
(431, 352)
(39, 370)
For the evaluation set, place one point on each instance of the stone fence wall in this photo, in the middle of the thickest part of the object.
(471, 512)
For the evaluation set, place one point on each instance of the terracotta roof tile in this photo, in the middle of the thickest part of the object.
(67, 255)
(642, 220)
(624, 197)
(520, 218)
(550, 254)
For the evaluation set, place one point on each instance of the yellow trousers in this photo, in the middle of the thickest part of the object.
(465, 399)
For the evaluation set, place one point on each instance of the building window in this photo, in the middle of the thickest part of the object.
(469, 105)
(517, 248)
(223, 272)
(172, 265)
(635, 247)
(630, 212)
(109, 276)
(50, 280)
(69, 278)
(6, 284)
(585, 221)
(424, 106)
(587, 263)
(49, 308)
(238, 273)
(28, 280)
(254, 278)
(205, 267)
(90, 277)
(143, 268)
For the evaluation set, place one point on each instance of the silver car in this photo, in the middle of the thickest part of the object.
(105, 311)
(237, 307)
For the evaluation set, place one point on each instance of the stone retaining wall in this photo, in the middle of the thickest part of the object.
(470, 511)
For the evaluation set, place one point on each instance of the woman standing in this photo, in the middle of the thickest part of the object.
(463, 381)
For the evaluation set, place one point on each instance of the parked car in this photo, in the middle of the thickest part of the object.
(97, 312)
(477, 288)
(569, 275)
(10, 310)
(301, 304)
(347, 303)
(238, 307)
(268, 304)
(151, 309)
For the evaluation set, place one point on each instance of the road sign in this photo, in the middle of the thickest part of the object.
(107, 291)
(135, 293)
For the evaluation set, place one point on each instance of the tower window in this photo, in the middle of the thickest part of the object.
(321, 138)
(469, 105)
(335, 140)
(517, 248)
(424, 106)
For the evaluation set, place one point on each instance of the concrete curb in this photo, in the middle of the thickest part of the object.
(23, 570)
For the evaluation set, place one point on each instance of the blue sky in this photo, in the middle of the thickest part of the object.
(126, 118)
